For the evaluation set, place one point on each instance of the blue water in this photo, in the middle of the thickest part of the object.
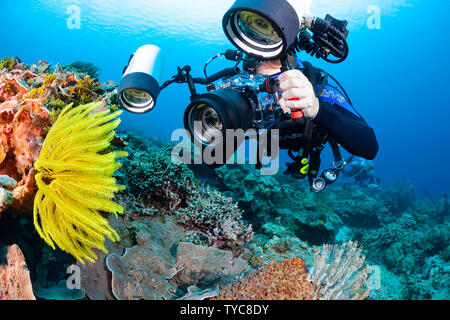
(397, 76)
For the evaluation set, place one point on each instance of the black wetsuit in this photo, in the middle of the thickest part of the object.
(340, 120)
(350, 131)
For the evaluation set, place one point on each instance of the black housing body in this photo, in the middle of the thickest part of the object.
(235, 110)
(232, 105)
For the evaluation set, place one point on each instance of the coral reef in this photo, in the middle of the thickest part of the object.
(53, 86)
(339, 273)
(215, 217)
(7, 63)
(152, 176)
(207, 267)
(74, 177)
(22, 129)
(285, 280)
(234, 234)
(398, 229)
(30, 99)
(84, 67)
(268, 198)
(155, 181)
(160, 265)
(15, 283)
(145, 270)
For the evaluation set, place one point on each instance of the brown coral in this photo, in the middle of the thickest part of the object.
(15, 282)
(216, 217)
(144, 270)
(11, 87)
(286, 280)
(22, 131)
(207, 266)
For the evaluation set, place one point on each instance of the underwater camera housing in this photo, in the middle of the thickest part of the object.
(236, 100)
(240, 102)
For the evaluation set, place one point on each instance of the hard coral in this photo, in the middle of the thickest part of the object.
(22, 129)
(162, 265)
(144, 271)
(84, 92)
(206, 266)
(7, 63)
(15, 282)
(215, 217)
(151, 175)
(286, 280)
(74, 176)
(85, 67)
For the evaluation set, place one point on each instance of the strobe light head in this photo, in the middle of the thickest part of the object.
(140, 85)
(264, 29)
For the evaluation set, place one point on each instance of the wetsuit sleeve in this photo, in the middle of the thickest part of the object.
(340, 120)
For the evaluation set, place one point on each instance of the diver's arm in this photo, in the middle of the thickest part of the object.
(331, 110)
(350, 131)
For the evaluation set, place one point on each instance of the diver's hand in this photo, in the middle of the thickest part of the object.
(295, 85)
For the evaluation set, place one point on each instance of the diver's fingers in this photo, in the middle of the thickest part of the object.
(299, 104)
(292, 74)
(293, 83)
(296, 93)
(283, 105)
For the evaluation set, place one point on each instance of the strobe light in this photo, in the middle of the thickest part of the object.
(140, 85)
(264, 29)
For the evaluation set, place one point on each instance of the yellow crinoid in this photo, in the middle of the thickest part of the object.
(75, 179)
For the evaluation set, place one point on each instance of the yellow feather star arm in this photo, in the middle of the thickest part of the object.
(75, 181)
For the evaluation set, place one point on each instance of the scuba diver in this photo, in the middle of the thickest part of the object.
(334, 118)
(275, 94)
(363, 172)
(329, 109)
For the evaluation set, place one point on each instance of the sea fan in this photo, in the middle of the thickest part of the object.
(75, 181)
(339, 273)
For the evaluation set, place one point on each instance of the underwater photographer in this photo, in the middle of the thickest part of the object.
(275, 92)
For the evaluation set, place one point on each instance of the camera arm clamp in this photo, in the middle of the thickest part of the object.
(184, 76)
